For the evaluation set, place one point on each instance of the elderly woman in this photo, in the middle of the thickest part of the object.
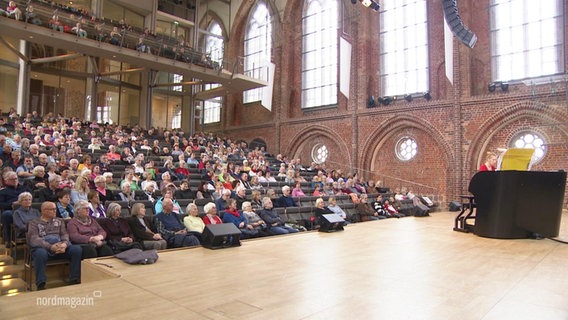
(193, 223)
(81, 189)
(126, 194)
(119, 235)
(211, 216)
(64, 208)
(144, 230)
(255, 220)
(110, 185)
(320, 210)
(333, 207)
(100, 187)
(166, 181)
(96, 208)
(233, 216)
(24, 213)
(148, 180)
(39, 180)
(85, 231)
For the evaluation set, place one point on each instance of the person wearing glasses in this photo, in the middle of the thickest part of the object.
(9, 196)
(48, 238)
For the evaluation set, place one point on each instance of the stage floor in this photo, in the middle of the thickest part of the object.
(409, 268)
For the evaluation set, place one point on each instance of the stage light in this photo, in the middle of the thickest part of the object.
(427, 96)
(354, 1)
(371, 102)
(503, 85)
(408, 98)
(373, 4)
(385, 101)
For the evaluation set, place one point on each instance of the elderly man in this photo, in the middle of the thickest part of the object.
(171, 229)
(272, 219)
(221, 203)
(285, 199)
(8, 195)
(48, 238)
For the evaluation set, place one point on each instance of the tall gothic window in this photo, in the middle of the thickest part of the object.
(258, 48)
(319, 53)
(404, 47)
(527, 38)
(215, 49)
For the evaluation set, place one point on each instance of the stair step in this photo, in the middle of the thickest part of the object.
(10, 271)
(12, 286)
(6, 260)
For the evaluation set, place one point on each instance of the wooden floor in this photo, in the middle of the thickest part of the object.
(410, 268)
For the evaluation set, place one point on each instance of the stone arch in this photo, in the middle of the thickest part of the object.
(307, 135)
(502, 119)
(440, 151)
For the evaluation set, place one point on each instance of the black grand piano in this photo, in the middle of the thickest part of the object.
(517, 204)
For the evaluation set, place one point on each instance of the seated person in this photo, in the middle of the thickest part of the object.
(333, 207)
(233, 216)
(320, 210)
(48, 239)
(13, 11)
(379, 206)
(86, 231)
(255, 220)
(184, 192)
(167, 193)
(365, 210)
(143, 229)
(119, 236)
(50, 192)
(101, 188)
(126, 194)
(96, 208)
(285, 199)
(8, 196)
(211, 216)
(275, 224)
(297, 191)
(79, 31)
(193, 223)
(391, 210)
(64, 208)
(172, 230)
(24, 214)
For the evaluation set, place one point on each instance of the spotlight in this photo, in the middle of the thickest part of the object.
(354, 1)
(373, 4)
(491, 87)
(371, 102)
(427, 96)
(408, 98)
(385, 100)
(504, 86)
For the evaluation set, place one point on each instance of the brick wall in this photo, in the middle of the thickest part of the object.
(454, 130)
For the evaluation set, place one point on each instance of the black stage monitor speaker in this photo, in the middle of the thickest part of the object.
(455, 206)
(217, 236)
(331, 223)
(456, 24)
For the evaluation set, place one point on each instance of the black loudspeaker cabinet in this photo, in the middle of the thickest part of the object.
(331, 223)
(455, 206)
(217, 236)
(421, 210)
(456, 24)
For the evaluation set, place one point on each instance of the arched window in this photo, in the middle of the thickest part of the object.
(214, 47)
(404, 47)
(527, 38)
(530, 140)
(406, 148)
(258, 48)
(319, 53)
